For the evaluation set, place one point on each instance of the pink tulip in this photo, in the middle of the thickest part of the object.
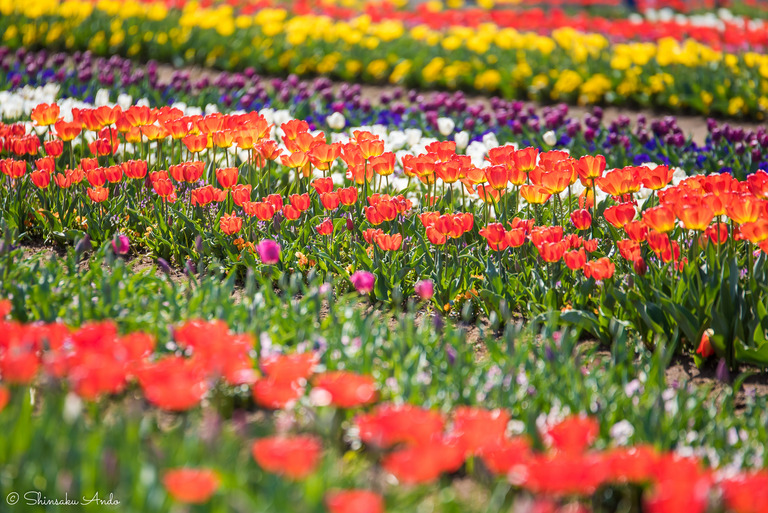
(425, 289)
(363, 281)
(269, 251)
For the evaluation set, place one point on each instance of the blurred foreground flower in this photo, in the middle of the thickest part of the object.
(354, 501)
(190, 485)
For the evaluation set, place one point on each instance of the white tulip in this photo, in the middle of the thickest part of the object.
(101, 98)
(490, 141)
(445, 126)
(336, 121)
(550, 138)
(462, 139)
(124, 100)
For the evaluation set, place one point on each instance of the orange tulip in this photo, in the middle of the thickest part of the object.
(515, 237)
(435, 237)
(575, 259)
(45, 114)
(325, 228)
(389, 242)
(139, 115)
(41, 179)
(620, 215)
(600, 269)
(330, 200)
(98, 194)
(164, 188)
(656, 178)
(230, 224)
(293, 128)
(525, 159)
(495, 235)
(195, 143)
(300, 201)
(192, 486)
(497, 177)
(590, 168)
(756, 231)
(629, 249)
(660, 218)
(348, 196)
(323, 155)
(322, 185)
(54, 148)
(241, 193)
(13, 168)
(135, 169)
(552, 251)
(295, 160)
(717, 233)
(620, 181)
(581, 219)
(227, 177)
(695, 217)
(291, 213)
(535, 194)
(384, 164)
(67, 131)
(744, 208)
(113, 174)
(636, 230)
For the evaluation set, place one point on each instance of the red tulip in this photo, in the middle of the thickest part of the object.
(192, 486)
(292, 457)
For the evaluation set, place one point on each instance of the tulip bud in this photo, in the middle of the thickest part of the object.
(640, 266)
(121, 245)
(163, 265)
(350, 224)
(550, 138)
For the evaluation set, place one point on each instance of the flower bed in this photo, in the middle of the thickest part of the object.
(345, 108)
(564, 66)
(532, 232)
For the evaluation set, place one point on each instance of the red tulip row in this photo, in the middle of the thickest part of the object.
(418, 444)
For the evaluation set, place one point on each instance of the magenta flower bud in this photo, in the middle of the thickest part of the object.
(363, 281)
(425, 289)
(121, 245)
(269, 251)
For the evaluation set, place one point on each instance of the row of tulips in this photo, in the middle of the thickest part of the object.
(529, 207)
(415, 445)
(564, 66)
(408, 117)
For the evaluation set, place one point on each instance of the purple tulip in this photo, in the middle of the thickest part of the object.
(121, 245)
(425, 289)
(363, 281)
(269, 251)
